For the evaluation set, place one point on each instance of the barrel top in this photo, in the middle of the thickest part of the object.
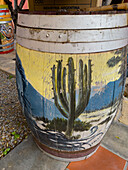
(95, 21)
(72, 33)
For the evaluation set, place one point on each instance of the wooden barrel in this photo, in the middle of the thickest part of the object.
(70, 72)
(6, 30)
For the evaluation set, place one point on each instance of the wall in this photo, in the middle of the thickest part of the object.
(25, 5)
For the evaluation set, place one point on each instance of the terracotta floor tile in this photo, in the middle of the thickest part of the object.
(101, 160)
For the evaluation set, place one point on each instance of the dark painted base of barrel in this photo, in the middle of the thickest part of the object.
(65, 155)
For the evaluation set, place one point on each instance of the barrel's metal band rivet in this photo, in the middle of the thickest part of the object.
(47, 35)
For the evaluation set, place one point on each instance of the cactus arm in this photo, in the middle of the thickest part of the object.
(55, 94)
(89, 74)
(71, 90)
(86, 90)
(89, 80)
(85, 81)
(80, 100)
(81, 106)
(71, 83)
(87, 85)
(80, 81)
(64, 86)
(59, 88)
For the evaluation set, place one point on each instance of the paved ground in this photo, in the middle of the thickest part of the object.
(7, 62)
(27, 156)
(13, 125)
(111, 155)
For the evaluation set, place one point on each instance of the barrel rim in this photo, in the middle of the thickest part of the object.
(71, 12)
(75, 22)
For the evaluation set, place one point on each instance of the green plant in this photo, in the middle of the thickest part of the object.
(10, 77)
(16, 136)
(5, 151)
(66, 103)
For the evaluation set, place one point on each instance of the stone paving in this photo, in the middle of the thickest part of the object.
(28, 157)
(7, 62)
(124, 112)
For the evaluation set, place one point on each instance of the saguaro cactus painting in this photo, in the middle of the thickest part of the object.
(66, 102)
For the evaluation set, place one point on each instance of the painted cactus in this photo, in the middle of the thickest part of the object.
(66, 103)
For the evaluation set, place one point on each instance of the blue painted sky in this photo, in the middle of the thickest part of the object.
(40, 106)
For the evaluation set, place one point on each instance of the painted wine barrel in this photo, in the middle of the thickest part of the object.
(6, 30)
(70, 72)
